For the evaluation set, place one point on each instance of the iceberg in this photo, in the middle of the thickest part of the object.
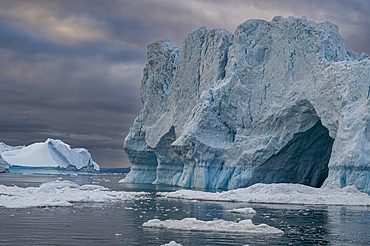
(243, 211)
(172, 243)
(273, 102)
(49, 157)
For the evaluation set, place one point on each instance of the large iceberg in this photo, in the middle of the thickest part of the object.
(50, 157)
(275, 102)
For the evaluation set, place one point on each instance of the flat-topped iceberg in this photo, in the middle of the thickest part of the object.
(273, 102)
(49, 157)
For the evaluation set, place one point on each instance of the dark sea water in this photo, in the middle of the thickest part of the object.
(120, 223)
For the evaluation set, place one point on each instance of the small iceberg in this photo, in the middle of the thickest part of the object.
(216, 225)
(50, 157)
(172, 243)
(4, 166)
(243, 211)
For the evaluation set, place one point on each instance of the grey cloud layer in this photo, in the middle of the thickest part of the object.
(72, 69)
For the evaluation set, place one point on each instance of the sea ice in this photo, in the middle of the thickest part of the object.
(61, 193)
(217, 225)
(279, 194)
(50, 157)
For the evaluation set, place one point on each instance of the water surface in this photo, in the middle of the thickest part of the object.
(120, 223)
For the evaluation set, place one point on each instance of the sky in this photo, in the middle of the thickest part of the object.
(71, 69)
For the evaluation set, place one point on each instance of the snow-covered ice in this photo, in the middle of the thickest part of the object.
(61, 193)
(279, 194)
(172, 243)
(274, 102)
(217, 225)
(49, 157)
(243, 210)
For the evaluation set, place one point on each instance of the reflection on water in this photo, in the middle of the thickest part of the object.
(120, 223)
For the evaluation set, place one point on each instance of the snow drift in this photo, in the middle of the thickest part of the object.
(274, 102)
(50, 157)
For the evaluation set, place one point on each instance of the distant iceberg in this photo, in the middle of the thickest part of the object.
(50, 157)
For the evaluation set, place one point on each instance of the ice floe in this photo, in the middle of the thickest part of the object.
(217, 225)
(61, 193)
(279, 194)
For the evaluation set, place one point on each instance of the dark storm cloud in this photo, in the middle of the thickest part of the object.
(72, 69)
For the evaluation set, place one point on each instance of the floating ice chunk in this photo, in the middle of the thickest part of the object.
(172, 243)
(243, 210)
(52, 156)
(61, 193)
(128, 195)
(280, 194)
(92, 187)
(218, 225)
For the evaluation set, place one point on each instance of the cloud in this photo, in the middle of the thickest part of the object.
(50, 24)
(72, 69)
